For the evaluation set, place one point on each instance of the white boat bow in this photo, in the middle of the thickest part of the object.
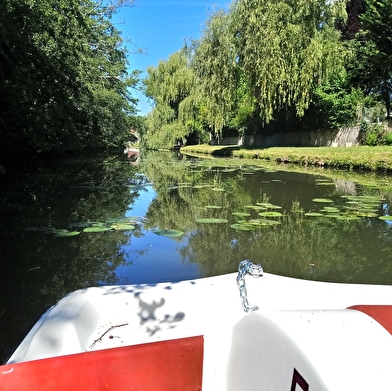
(302, 337)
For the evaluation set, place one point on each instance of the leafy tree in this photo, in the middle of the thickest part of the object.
(372, 66)
(63, 77)
(286, 49)
(170, 82)
(257, 63)
(168, 85)
(352, 25)
(38, 75)
(214, 62)
(245, 116)
(336, 103)
(262, 61)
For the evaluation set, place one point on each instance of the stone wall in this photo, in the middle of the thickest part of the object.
(344, 137)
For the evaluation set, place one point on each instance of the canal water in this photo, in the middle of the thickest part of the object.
(109, 219)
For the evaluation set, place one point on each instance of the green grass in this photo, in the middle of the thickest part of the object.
(364, 157)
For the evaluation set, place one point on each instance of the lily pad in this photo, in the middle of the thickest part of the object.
(367, 214)
(268, 205)
(123, 227)
(211, 221)
(369, 208)
(370, 198)
(330, 209)
(270, 214)
(333, 216)
(229, 170)
(213, 207)
(326, 200)
(242, 227)
(314, 214)
(64, 234)
(170, 233)
(385, 218)
(241, 214)
(264, 222)
(59, 230)
(97, 229)
(353, 202)
(363, 198)
(255, 207)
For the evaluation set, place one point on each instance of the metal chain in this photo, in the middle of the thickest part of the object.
(244, 268)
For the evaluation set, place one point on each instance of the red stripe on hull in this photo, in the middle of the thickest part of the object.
(380, 313)
(160, 366)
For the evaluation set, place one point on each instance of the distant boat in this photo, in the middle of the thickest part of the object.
(205, 334)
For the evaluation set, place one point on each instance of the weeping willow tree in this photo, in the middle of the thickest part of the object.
(253, 62)
(214, 63)
(286, 48)
(168, 85)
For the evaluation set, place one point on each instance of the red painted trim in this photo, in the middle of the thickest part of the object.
(174, 365)
(380, 313)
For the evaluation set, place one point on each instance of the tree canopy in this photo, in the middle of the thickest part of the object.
(64, 83)
(371, 68)
(172, 87)
(271, 64)
(261, 65)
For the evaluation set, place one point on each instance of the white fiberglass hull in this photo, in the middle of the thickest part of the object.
(114, 316)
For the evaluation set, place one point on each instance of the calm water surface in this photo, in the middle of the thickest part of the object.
(312, 225)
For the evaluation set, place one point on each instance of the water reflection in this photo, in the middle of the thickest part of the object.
(345, 246)
(307, 225)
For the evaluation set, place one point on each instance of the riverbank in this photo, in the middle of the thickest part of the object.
(353, 158)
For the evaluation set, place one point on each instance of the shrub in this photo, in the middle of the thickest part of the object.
(388, 139)
(373, 134)
(337, 103)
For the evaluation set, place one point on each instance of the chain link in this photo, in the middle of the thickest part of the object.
(244, 268)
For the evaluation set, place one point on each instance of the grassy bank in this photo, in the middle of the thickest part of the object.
(362, 158)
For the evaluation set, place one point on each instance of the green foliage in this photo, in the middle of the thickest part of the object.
(170, 82)
(215, 64)
(373, 134)
(388, 138)
(244, 110)
(63, 77)
(371, 68)
(286, 49)
(175, 116)
(337, 103)
(253, 64)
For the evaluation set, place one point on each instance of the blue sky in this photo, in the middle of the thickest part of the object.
(160, 28)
